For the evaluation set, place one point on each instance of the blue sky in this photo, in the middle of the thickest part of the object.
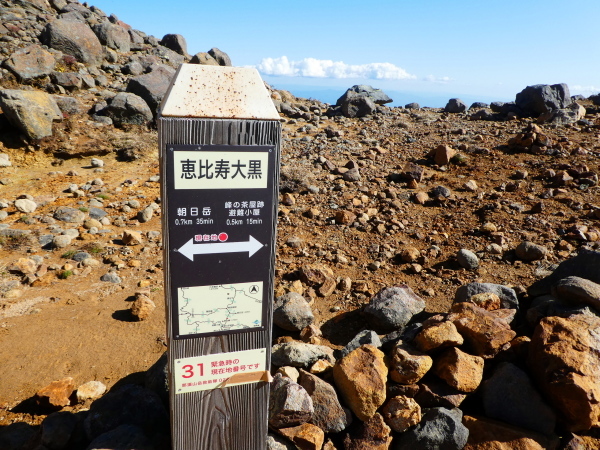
(415, 50)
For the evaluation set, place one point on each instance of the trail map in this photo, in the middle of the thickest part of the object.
(226, 307)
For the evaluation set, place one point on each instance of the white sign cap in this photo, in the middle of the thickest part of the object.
(199, 91)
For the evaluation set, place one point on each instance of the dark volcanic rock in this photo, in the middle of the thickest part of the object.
(126, 107)
(361, 100)
(440, 428)
(175, 42)
(74, 38)
(329, 415)
(30, 62)
(221, 57)
(113, 36)
(289, 403)
(151, 86)
(122, 437)
(509, 396)
(392, 308)
(508, 297)
(543, 98)
(455, 105)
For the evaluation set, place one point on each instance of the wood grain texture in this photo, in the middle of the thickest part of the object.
(234, 417)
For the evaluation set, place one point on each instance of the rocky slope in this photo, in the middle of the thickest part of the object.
(437, 270)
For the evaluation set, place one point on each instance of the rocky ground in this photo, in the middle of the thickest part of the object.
(436, 277)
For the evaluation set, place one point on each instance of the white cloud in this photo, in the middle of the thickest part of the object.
(325, 68)
(584, 90)
(440, 80)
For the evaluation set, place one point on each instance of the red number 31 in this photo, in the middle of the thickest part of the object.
(189, 370)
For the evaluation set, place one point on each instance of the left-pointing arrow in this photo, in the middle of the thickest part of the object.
(189, 249)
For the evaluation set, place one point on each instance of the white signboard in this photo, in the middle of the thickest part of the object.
(200, 373)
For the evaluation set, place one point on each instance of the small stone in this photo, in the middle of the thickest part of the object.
(146, 214)
(90, 390)
(305, 436)
(435, 393)
(486, 300)
(288, 199)
(25, 205)
(440, 335)
(290, 372)
(111, 277)
(471, 186)
(70, 215)
(26, 266)
(485, 332)
(329, 415)
(440, 428)
(352, 174)
(443, 154)
(292, 312)
(294, 242)
(289, 403)
(362, 338)
(361, 379)
(327, 288)
(142, 307)
(374, 434)
(344, 217)
(131, 237)
(408, 365)
(91, 223)
(321, 366)
(62, 241)
(96, 162)
(467, 259)
(528, 251)
(490, 434)
(577, 290)
(401, 413)
(392, 308)
(57, 393)
(409, 254)
(459, 369)
(421, 198)
(299, 354)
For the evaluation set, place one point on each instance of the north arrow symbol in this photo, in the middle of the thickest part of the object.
(189, 249)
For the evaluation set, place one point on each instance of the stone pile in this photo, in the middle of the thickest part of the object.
(82, 61)
(494, 372)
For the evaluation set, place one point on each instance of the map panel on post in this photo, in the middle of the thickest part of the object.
(220, 205)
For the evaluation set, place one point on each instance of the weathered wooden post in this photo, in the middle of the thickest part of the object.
(219, 143)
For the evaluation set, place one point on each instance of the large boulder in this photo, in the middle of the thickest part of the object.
(175, 42)
(152, 86)
(126, 107)
(32, 112)
(455, 105)
(221, 57)
(361, 100)
(30, 62)
(74, 38)
(113, 36)
(564, 356)
(543, 98)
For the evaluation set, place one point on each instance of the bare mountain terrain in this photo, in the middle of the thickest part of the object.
(391, 222)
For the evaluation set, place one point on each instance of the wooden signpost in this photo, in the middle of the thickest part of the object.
(219, 143)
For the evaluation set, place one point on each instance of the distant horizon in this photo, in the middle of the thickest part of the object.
(329, 94)
(424, 52)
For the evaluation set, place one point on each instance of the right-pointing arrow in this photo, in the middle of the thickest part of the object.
(189, 249)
